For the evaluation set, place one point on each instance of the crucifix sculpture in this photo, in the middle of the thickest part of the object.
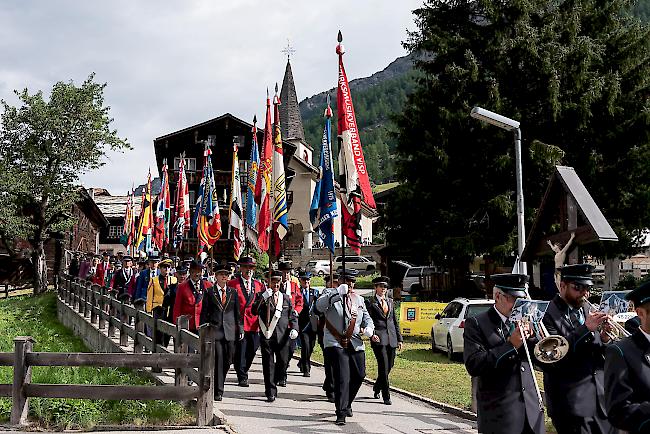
(560, 256)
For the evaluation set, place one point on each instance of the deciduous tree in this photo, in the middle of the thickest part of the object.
(45, 146)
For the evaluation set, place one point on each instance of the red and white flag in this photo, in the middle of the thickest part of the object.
(181, 206)
(263, 184)
(354, 182)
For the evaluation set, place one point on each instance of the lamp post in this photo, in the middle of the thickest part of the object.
(510, 125)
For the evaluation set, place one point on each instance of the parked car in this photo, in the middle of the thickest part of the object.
(359, 263)
(411, 280)
(447, 330)
(319, 267)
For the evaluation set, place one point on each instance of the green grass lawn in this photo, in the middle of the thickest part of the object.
(36, 317)
(363, 282)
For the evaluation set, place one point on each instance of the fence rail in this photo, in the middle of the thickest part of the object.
(192, 357)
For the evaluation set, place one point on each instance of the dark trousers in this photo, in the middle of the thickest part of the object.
(245, 350)
(307, 342)
(580, 425)
(385, 355)
(328, 384)
(349, 371)
(223, 353)
(275, 357)
(157, 313)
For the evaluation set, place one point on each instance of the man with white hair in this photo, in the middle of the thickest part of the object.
(494, 352)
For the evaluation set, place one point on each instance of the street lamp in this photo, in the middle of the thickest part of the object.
(510, 125)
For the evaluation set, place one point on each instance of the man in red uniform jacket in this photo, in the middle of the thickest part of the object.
(100, 272)
(246, 348)
(189, 296)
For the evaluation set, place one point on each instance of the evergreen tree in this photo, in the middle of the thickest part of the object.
(575, 73)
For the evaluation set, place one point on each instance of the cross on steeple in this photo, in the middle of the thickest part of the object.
(288, 50)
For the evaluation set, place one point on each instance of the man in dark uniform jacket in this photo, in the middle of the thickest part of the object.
(574, 385)
(124, 281)
(307, 323)
(278, 326)
(221, 309)
(494, 352)
(627, 371)
(387, 338)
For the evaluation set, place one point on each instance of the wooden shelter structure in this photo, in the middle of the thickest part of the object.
(566, 208)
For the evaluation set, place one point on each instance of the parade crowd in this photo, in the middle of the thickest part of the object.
(273, 315)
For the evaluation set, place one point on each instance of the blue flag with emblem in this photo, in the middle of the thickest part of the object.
(323, 207)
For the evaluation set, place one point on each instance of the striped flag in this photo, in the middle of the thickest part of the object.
(181, 206)
(251, 206)
(145, 226)
(354, 182)
(235, 215)
(279, 195)
(129, 222)
(206, 216)
(263, 184)
(163, 211)
(323, 208)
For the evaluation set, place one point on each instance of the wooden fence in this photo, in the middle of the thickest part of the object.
(192, 357)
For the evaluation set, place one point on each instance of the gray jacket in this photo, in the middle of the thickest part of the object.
(330, 303)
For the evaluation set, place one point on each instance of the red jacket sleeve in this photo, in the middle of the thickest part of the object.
(178, 303)
(296, 294)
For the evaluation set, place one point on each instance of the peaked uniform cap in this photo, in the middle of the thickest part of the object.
(640, 295)
(513, 284)
(578, 273)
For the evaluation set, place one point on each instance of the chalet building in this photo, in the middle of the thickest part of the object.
(113, 208)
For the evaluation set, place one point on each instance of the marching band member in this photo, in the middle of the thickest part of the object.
(246, 287)
(307, 323)
(158, 287)
(290, 286)
(189, 296)
(494, 352)
(574, 385)
(627, 371)
(346, 320)
(387, 338)
(278, 326)
(221, 309)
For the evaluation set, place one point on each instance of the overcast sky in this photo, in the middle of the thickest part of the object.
(173, 64)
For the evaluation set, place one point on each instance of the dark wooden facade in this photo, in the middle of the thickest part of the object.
(190, 141)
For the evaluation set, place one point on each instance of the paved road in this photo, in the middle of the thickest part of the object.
(301, 407)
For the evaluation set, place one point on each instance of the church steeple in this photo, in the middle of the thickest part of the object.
(290, 118)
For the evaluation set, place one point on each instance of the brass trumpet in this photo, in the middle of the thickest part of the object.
(620, 329)
(550, 348)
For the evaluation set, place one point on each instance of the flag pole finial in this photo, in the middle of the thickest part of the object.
(340, 50)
